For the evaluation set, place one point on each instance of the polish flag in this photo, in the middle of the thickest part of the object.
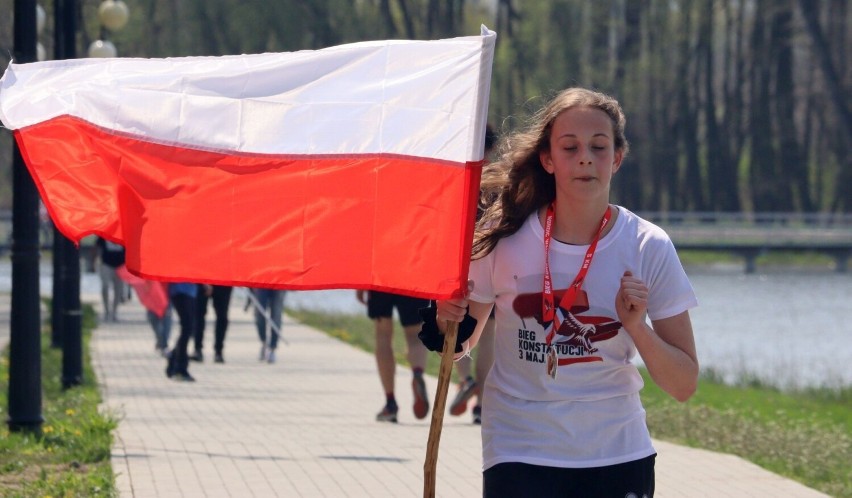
(355, 166)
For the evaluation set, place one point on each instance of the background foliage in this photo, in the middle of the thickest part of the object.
(733, 105)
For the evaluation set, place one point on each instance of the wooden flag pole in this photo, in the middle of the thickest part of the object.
(431, 464)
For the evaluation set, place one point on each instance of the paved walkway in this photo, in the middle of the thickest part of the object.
(303, 427)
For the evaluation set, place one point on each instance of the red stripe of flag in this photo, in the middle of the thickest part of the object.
(374, 221)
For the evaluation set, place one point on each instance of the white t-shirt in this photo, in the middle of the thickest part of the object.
(590, 415)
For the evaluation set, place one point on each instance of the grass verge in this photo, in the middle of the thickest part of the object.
(803, 435)
(71, 455)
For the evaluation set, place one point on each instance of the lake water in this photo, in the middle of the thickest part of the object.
(790, 329)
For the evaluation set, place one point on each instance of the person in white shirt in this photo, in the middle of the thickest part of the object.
(579, 286)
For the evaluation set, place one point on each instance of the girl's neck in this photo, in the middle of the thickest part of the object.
(578, 224)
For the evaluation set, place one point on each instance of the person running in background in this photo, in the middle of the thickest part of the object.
(183, 297)
(580, 286)
(109, 256)
(380, 307)
(268, 303)
(161, 325)
(221, 297)
(480, 362)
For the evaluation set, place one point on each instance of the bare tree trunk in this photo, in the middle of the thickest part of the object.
(662, 82)
(506, 17)
(213, 43)
(627, 54)
(433, 13)
(690, 193)
(595, 44)
(387, 15)
(734, 103)
(762, 157)
(811, 123)
(406, 19)
(721, 187)
(791, 163)
(823, 53)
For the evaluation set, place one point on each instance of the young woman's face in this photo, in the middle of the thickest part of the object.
(582, 154)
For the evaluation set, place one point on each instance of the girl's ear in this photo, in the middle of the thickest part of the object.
(546, 161)
(616, 163)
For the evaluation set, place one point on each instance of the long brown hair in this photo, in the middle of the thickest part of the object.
(516, 184)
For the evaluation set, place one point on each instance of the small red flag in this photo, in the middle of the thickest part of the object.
(152, 294)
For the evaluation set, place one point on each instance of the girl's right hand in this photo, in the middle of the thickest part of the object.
(454, 310)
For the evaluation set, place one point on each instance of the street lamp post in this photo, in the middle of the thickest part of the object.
(58, 301)
(113, 15)
(66, 317)
(60, 244)
(24, 401)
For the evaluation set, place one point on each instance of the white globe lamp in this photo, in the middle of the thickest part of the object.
(102, 49)
(113, 14)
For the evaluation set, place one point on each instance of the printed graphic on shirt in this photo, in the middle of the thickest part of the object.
(574, 341)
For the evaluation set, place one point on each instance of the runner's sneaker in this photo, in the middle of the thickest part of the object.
(477, 415)
(388, 414)
(421, 398)
(182, 377)
(466, 389)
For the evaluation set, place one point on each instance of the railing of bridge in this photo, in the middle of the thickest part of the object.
(743, 218)
(711, 229)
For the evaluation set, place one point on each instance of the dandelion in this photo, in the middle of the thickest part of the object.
(78, 433)
(47, 429)
(70, 412)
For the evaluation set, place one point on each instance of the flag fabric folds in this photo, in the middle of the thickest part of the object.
(152, 294)
(355, 166)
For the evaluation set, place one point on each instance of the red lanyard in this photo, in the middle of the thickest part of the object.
(548, 311)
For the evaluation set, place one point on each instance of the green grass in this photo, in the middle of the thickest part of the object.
(807, 260)
(804, 435)
(70, 457)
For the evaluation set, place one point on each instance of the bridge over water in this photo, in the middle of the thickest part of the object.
(748, 235)
(751, 234)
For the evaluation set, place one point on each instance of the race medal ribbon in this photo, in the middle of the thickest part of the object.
(548, 311)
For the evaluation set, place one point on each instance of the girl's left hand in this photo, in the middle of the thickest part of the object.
(631, 302)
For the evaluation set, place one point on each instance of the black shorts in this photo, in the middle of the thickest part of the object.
(511, 480)
(381, 304)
